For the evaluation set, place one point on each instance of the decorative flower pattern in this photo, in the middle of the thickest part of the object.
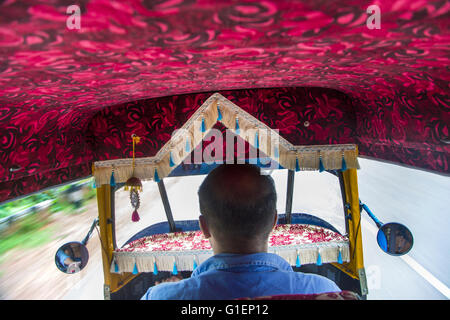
(282, 235)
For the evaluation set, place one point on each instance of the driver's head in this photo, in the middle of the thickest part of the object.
(238, 203)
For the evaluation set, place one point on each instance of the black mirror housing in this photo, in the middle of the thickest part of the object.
(395, 239)
(71, 257)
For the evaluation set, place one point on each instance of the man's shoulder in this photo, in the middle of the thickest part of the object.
(314, 283)
(169, 290)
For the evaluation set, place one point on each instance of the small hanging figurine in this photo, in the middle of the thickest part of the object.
(134, 185)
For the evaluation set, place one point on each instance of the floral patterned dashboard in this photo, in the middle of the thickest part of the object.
(182, 251)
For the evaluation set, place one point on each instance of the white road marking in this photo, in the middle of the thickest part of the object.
(424, 273)
(442, 288)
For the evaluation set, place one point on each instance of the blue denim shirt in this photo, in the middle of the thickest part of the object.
(231, 276)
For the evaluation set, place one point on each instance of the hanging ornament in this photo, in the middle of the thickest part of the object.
(203, 125)
(134, 184)
(135, 269)
(340, 256)
(321, 166)
(256, 140)
(236, 129)
(319, 259)
(174, 270)
(194, 266)
(155, 268)
(135, 203)
(344, 164)
(171, 162)
(112, 180)
(297, 262)
(219, 114)
(156, 176)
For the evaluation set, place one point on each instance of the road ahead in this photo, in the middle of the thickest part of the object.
(421, 201)
(418, 199)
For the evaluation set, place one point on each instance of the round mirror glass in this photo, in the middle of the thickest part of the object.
(395, 239)
(71, 257)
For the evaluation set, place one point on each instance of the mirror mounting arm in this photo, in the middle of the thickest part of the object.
(73, 256)
(371, 215)
(94, 224)
(393, 238)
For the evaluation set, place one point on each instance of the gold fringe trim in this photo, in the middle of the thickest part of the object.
(189, 136)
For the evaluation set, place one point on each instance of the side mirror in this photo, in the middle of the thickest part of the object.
(395, 239)
(71, 257)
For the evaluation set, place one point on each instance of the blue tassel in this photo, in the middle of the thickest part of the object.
(156, 176)
(174, 271)
(340, 257)
(256, 140)
(344, 164)
(188, 145)
(276, 153)
(203, 127)
(319, 259)
(135, 269)
(195, 265)
(297, 165)
(171, 163)
(112, 181)
(116, 267)
(155, 269)
(297, 263)
(219, 114)
(236, 129)
(94, 185)
(321, 167)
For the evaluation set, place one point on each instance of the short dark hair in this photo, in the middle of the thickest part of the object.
(238, 202)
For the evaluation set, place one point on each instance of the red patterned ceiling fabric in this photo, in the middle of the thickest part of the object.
(69, 97)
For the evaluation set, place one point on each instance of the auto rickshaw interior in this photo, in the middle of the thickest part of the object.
(141, 282)
(77, 80)
(128, 270)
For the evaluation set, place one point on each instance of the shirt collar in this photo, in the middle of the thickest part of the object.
(226, 261)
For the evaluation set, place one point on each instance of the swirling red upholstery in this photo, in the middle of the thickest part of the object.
(71, 97)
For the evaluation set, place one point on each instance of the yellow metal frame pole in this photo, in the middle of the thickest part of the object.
(106, 232)
(354, 268)
(112, 281)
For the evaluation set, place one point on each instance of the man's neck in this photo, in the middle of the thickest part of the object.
(241, 248)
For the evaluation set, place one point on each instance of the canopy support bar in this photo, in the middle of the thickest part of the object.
(165, 200)
(289, 195)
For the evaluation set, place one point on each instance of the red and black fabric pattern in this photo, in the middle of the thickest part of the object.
(69, 97)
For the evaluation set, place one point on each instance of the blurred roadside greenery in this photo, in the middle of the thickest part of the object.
(32, 230)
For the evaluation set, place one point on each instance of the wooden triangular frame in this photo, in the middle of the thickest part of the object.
(218, 108)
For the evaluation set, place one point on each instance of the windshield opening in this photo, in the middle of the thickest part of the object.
(319, 194)
(315, 193)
